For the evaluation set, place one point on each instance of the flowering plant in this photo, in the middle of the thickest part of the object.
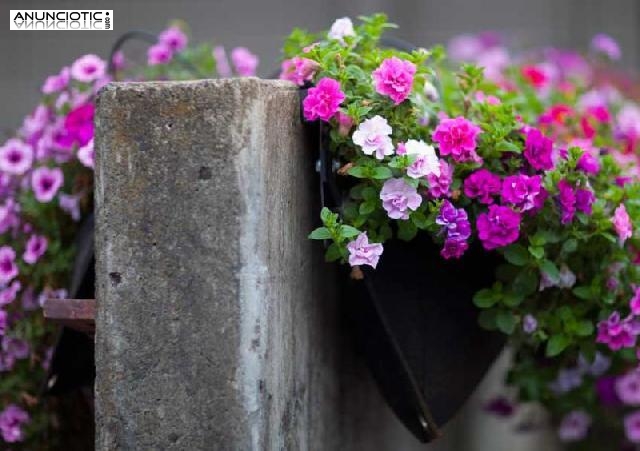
(533, 159)
(46, 187)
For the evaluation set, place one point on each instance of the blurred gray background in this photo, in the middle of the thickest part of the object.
(28, 56)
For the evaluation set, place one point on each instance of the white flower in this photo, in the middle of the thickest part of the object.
(426, 161)
(373, 136)
(341, 28)
(430, 91)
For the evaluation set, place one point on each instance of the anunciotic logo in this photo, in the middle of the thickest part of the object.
(62, 19)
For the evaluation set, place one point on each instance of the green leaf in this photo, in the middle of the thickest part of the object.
(407, 230)
(419, 219)
(506, 322)
(333, 253)
(360, 172)
(584, 293)
(536, 251)
(346, 231)
(506, 146)
(321, 233)
(382, 173)
(367, 207)
(551, 270)
(570, 246)
(485, 298)
(370, 193)
(325, 215)
(487, 319)
(511, 299)
(525, 283)
(556, 345)
(584, 328)
(516, 254)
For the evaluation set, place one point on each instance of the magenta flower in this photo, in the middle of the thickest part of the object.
(628, 388)
(632, 426)
(606, 391)
(8, 295)
(567, 201)
(361, 252)
(584, 200)
(8, 267)
(298, 70)
(174, 38)
(159, 54)
(425, 161)
(78, 127)
(499, 227)
(457, 137)
(4, 322)
(16, 157)
(88, 68)
(398, 197)
(12, 419)
(71, 205)
(618, 333)
(454, 249)
(244, 61)
(440, 185)
(9, 215)
(574, 426)
(482, 185)
(588, 164)
(373, 136)
(46, 182)
(606, 45)
(85, 154)
(455, 223)
(634, 302)
(56, 83)
(521, 191)
(323, 100)
(341, 28)
(622, 223)
(529, 324)
(222, 63)
(394, 78)
(538, 150)
(36, 247)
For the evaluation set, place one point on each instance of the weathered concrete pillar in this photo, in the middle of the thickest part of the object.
(217, 325)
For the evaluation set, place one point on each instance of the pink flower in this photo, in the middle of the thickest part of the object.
(345, 122)
(4, 322)
(499, 227)
(628, 388)
(634, 302)
(588, 164)
(159, 54)
(174, 38)
(85, 154)
(46, 182)
(8, 294)
(298, 70)
(372, 136)
(36, 247)
(88, 68)
(56, 83)
(119, 62)
(457, 137)
(398, 197)
(632, 426)
(425, 159)
(71, 205)
(584, 200)
(622, 223)
(341, 28)
(567, 201)
(454, 249)
(12, 419)
(16, 157)
(394, 78)
(483, 185)
(440, 185)
(323, 100)
(9, 215)
(361, 252)
(574, 426)
(244, 61)
(77, 127)
(606, 45)
(521, 191)
(222, 63)
(538, 150)
(618, 333)
(8, 267)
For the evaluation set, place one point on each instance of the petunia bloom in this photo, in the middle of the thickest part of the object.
(618, 333)
(222, 63)
(567, 201)
(85, 154)
(455, 223)
(538, 150)
(298, 70)
(361, 252)
(56, 83)
(482, 185)
(394, 78)
(341, 28)
(425, 159)
(36, 247)
(244, 62)
(440, 185)
(159, 54)
(574, 426)
(12, 419)
(174, 38)
(457, 137)
(606, 45)
(70, 204)
(4, 322)
(373, 136)
(8, 267)
(588, 164)
(9, 293)
(584, 201)
(521, 191)
(398, 197)
(88, 68)
(323, 100)
(628, 388)
(529, 324)
(46, 182)
(16, 157)
(499, 227)
(632, 426)
(622, 223)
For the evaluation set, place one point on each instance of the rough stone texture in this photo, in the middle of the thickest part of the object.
(217, 324)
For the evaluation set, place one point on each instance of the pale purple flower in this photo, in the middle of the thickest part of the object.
(458, 137)
(70, 204)
(622, 223)
(499, 227)
(394, 78)
(440, 186)
(566, 380)
(46, 182)
(16, 157)
(56, 83)
(36, 247)
(174, 38)
(455, 223)
(521, 190)
(4, 322)
(482, 185)
(361, 252)
(632, 426)
(9, 215)
(373, 136)
(628, 121)
(341, 28)
(529, 324)
(606, 45)
(465, 47)
(12, 419)
(494, 61)
(601, 363)
(425, 159)
(574, 426)
(34, 124)
(159, 54)
(8, 267)
(618, 333)
(634, 302)
(222, 63)
(244, 61)
(85, 154)
(628, 388)
(323, 101)
(15, 347)
(398, 197)
(119, 61)
(567, 279)
(9, 293)
(88, 68)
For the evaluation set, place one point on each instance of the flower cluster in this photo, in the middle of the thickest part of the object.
(548, 181)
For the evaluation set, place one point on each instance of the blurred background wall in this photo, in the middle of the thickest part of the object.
(28, 56)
